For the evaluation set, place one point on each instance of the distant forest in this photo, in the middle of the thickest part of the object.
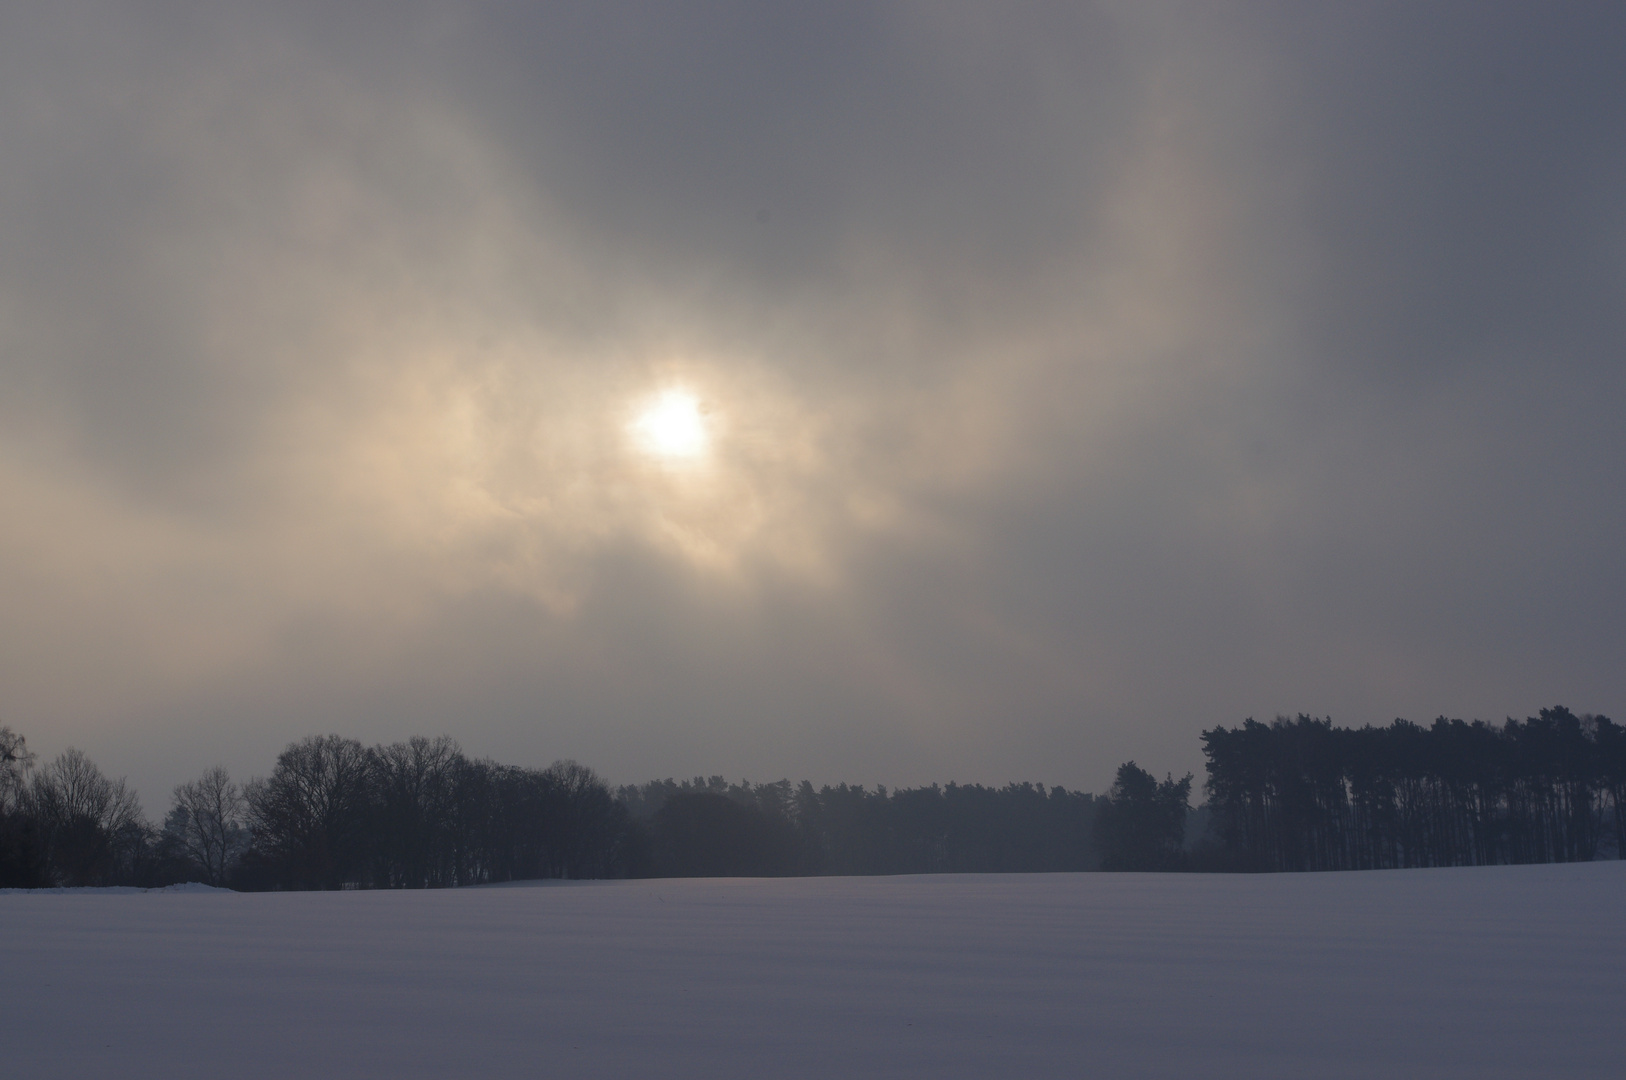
(1291, 795)
(1304, 795)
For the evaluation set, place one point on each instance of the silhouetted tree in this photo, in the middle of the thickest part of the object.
(1302, 795)
(1142, 823)
(588, 823)
(90, 827)
(414, 792)
(308, 818)
(1610, 739)
(15, 763)
(419, 814)
(205, 824)
(22, 856)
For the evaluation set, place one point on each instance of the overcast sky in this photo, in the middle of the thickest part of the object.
(1052, 381)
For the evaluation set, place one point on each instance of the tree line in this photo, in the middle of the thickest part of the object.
(420, 814)
(332, 814)
(1301, 794)
(1295, 794)
(336, 814)
(709, 827)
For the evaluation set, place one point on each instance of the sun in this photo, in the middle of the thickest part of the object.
(671, 427)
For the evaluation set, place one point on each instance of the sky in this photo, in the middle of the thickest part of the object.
(884, 393)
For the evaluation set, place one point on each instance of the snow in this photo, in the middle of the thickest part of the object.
(79, 890)
(1483, 973)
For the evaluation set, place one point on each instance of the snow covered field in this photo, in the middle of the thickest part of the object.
(1504, 972)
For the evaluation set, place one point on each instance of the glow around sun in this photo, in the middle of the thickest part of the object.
(671, 427)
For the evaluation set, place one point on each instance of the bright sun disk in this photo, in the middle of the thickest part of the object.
(671, 427)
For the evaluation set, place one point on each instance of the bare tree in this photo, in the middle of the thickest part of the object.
(586, 821)
(91, 825)
(22, 859)
(15, 764)
(72, 786)
(207, 823)
(414, 792)
(309, 816)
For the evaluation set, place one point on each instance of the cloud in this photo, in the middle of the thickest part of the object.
(1079, 378)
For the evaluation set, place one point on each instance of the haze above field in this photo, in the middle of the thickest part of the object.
(885, 394)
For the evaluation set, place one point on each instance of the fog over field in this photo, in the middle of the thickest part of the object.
(1504, 972)
(887, 393)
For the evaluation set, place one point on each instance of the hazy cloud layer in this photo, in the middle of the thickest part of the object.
(1077, 376)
